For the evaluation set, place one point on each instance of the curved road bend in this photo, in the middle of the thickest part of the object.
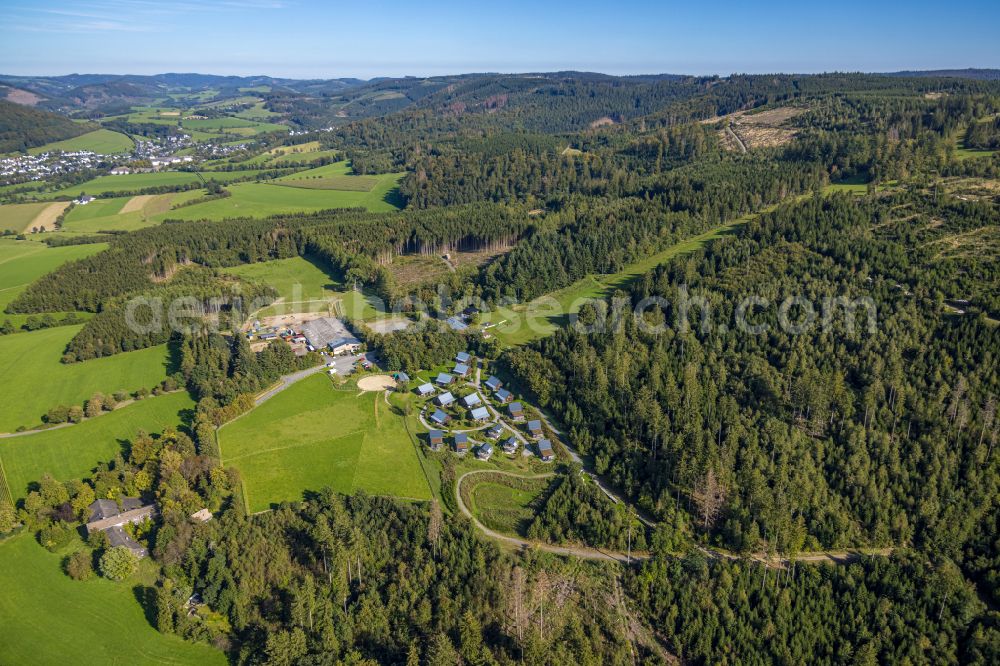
(831, 557)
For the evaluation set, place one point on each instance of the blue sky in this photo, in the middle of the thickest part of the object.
(303, 38)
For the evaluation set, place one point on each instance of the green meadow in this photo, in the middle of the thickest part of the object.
(50, 619)
(263, 199)
(102, 141)
(305, 286)
(31, 362)
(313, 435)
(17, 217)
(71, 452)
(23, 262)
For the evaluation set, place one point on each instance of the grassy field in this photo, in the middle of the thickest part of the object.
(18, 217)
(118, 213)
(502, 507)
(336, 176)
(101, 141)
(30, 362)
(305, 286)
(312, 435)
(48, 618)
(23, 262)
(73, 451)
(263, 199)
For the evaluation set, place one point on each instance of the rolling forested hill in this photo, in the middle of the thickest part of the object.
(22, 127)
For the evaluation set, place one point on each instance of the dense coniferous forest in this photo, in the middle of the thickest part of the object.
(22, 127)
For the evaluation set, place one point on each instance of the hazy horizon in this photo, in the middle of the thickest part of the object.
(309, 40)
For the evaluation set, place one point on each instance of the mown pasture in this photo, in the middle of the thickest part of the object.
(48, 618)
(71, 452)
(31, 363)
(313, 435)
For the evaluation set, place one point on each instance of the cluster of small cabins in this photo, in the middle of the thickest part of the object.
(479, 412)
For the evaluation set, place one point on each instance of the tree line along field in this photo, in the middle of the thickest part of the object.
(20, 218)
(71, 452)
(46, 616)
(264, 199)
(31, 362)
(23, 262)
(313, 435)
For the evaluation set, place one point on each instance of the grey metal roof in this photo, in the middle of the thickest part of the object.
(424, 389)
(471, 399)
(515, 407)
(446, 398)
(544, 447)
(461, 438)
(461, 369)
(493, 383)
(503, 394)
(444, 378)
(326, 330)
(480, 413)
(534, 425)
(439, 416)
(435, 434)
(463, 357)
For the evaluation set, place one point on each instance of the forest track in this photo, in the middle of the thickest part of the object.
(843, 556)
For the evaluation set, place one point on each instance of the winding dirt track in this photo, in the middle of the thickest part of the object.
(829, 557)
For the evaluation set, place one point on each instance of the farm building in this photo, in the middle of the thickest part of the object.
(436, 439)
(495, 431)
(516, 411)
(425, 389)
(331, 333)
(120, 171)
(493, 384)
(461, 442)
(456, 323)
(445, 399)
(461, 369)
(480, 414)
(108, 517)
(535, 428)
(510, 445)
(439, 417)
(485, 451)
(471, 400)
(463, 357)
(444, 379)
(545, 450)
(504, 396)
